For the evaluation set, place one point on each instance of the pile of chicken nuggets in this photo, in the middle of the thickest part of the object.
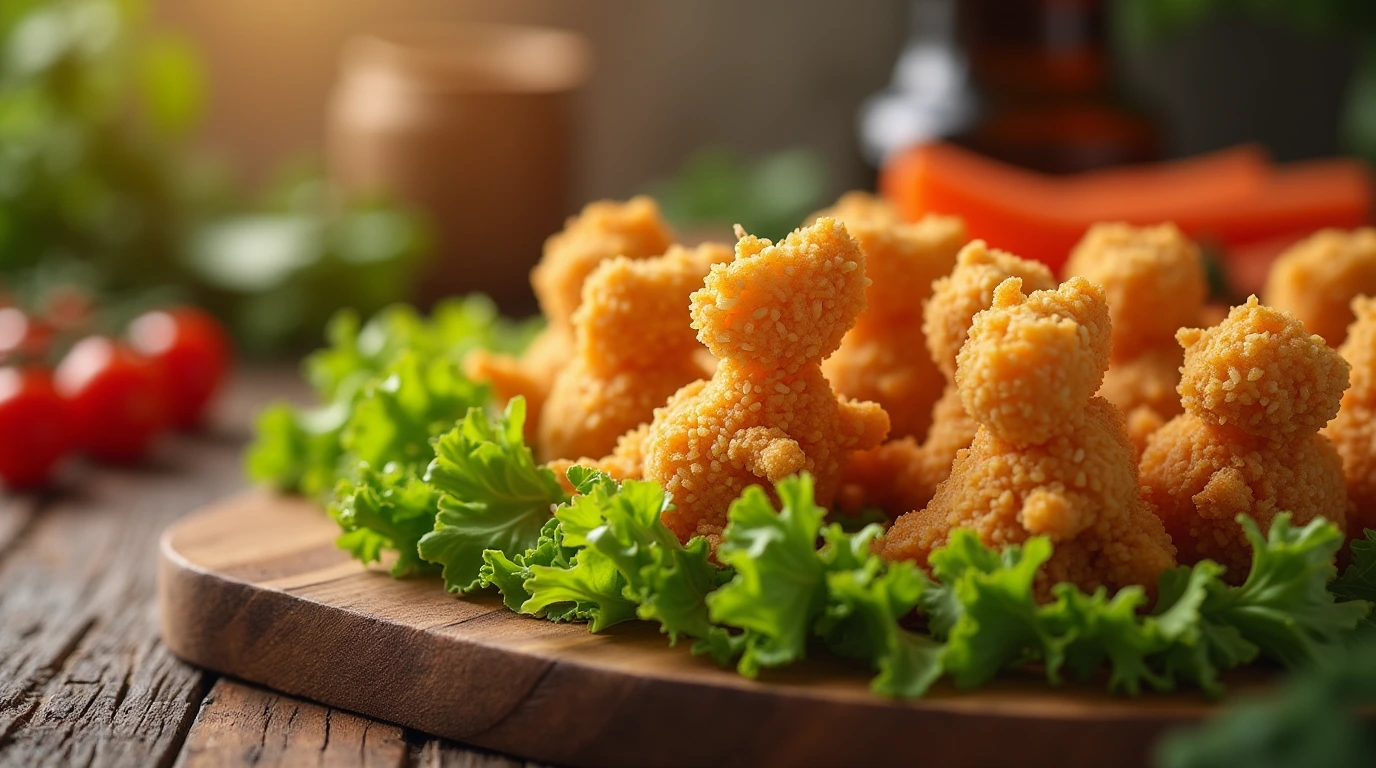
(953, 385)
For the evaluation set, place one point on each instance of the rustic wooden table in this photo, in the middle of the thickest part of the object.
(84, 678)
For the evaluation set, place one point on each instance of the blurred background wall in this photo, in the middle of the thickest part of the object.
(669, 76)
(672, 76)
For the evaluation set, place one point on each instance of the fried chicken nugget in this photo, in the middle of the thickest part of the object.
(635, 346)
(902, 475)
(770, 317)
(1050, 458)
(1154, 280)
(881, 359)
(1316, 279)
(1353, 432)
(1256, 389)
(602, 230)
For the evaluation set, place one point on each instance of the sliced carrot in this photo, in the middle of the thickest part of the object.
(1231, 198)
(1299, 199)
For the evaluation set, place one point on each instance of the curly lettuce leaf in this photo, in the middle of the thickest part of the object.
(493, 495)
(1283, 610)
(627, 563)
(388, 388)
(998, 621)
(779, 587)
(397, 417)
(1358, 582)
(298, 451)
(592, 585)
(866, 598)
(1284, 606)
(1092, 629)
(455, 327)
(388, 510)
(510, 574)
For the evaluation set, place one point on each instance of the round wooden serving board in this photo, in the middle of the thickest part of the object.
(254, 587)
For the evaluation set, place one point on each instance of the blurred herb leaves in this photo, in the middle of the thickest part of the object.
(100, 188)
(769, 196)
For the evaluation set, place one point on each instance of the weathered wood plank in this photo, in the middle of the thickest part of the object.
(439, 753)
(84, 678)
(242, 725)
(17, 513)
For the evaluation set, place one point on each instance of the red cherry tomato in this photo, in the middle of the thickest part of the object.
(114, 397)
(34, 430)
(23, 338)
(194, 354)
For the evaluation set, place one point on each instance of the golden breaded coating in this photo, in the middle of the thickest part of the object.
(1153, 278)
(1155, 284)
(969, 290)
(1353, 432)
(882, 357)
(1317, 278)
(1049, 457)
(634, 229)
(1035, 359)
(859, 207)
(1147, 380)
(635, 346)
(603, 230)
(770, 317)
(1262, 373)
(1256, 389)
(947, 315)
(1200, 477)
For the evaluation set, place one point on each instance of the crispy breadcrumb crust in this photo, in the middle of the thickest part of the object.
(1049, 458)
(881, 358)
(1316, 279)
(1256, 388)
(770, 317)
(1032, 359)
(1200, 477)
(1260, 371)
(1153, 278)
(1353, 432)
(917, 469)
(604, 229)
(635, 346)
(969, 290)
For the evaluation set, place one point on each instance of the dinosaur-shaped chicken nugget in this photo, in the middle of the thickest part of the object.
(1317, 278)
(1154, 280)
(902, 475)
(882, 358)
(770, 317)
(1353, 432)
(1256, 388)
(1049, 458)
(634, 347)
(603, 229)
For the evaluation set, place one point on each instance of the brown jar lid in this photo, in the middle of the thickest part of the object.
(471, 58)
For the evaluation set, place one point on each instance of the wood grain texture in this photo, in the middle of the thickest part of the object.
(84, 679)
(254, 587)
(242, 725)
(83, 676)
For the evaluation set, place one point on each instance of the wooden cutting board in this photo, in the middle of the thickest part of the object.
(254, 587)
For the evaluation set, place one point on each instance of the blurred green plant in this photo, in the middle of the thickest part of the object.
(768, 196)
(1139, 22)
(1320, 719)
(99, 187)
